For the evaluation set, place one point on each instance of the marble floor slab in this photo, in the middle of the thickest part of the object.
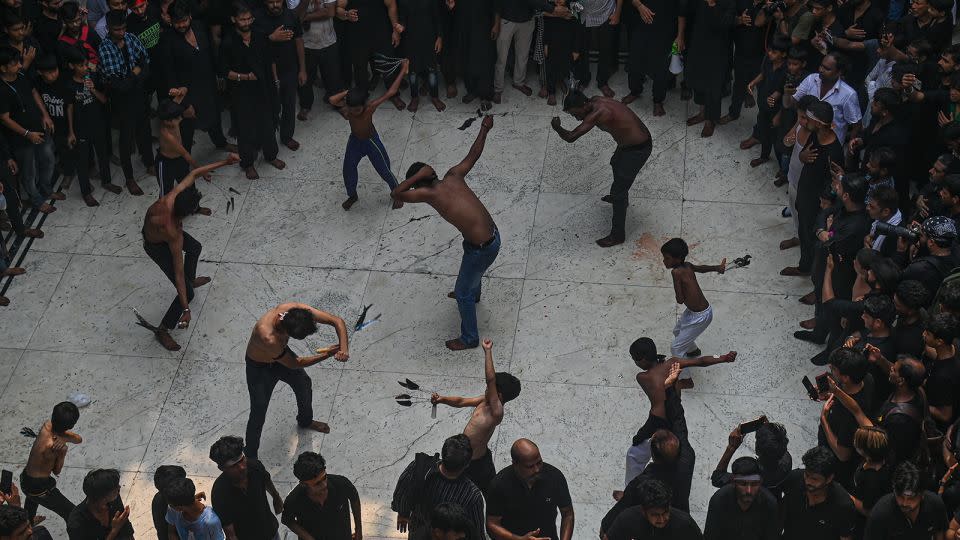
(561, 311)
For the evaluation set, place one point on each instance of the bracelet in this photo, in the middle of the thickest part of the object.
(26, 132)
(186, 310)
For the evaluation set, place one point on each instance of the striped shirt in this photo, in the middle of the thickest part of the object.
(596, 12)
(437, 489)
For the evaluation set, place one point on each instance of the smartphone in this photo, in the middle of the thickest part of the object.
(753, 425)
(822, 384)
(6, 482)
(811, 391)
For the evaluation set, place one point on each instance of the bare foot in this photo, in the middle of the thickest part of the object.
(658, 109)
(38, 520)
(292, 145)
(200, 281)
(451, 91)
(552, 100)
(134, 188)
(322, 427)
(398, 103)
(617, 495)
(729, 357)
(673, 375)
(13, 271)
(251, 173)
(58, 196)
(440, 106)
(414, 104)
(397, 203)
(543, 92)
(166, 340)
(4, 301)
(204, 211)
(278, 164)
(349, 202)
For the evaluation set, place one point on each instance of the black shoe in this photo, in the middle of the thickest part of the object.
(809, 336)
(821, 359)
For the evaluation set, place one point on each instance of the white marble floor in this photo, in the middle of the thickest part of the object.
(561, 311)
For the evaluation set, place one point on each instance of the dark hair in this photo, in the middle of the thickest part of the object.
(841, 60)
(825, 3)
(508, 386)
(945, 159)
(8, 55)
(943, 326)
(951, 182)
(886, 198)
(676, 248)
(664, 446)
(116, 18)
(950, 296)
(226, 449)
(903, 68)
(169, 109)
(819, 460)
(165, 473)
(955, 80)
(643, 349)
(180, 492)
(308, 466)
(866, 256)
(448, 516)
(888, 99)
(239, 8)
(850, 363)
(951, 131)
(356, 97)
(65, 415)
(11, 519)
(69, 11)
(653, 494)
(71, 56)
(804, 102)
(880, 306)
(943, 6)
(414, 168)
(186, 202)
(822, 111)
(456, 452)
(887, 274)
(780, 43)
(12, 18)
(797, 53)
(911, 371)
(574, 100)
(98, 483)
(906, 477)
(923, 46)
(47, 62)
(772, 442)
(913, 294)
(745, 465)
(856, 186)
(298, 323)
(179, 11)
(953, 51)
(885, 157)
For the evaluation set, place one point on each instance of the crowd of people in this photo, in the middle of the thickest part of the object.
(857, 114)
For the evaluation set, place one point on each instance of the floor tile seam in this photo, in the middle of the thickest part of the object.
(6, 384)
(46, 307)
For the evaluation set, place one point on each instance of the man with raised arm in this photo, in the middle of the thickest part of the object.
(634, 145)
(165, 242)
(270, 360)
(487, 415)
(453, 199)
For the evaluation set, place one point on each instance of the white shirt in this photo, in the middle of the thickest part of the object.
(843, 98)
(321, 33)
(878, 240)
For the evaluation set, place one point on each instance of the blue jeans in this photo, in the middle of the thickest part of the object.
(373, 149)
(475, 262)
(36, 162)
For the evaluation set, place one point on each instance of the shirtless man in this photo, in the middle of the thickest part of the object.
(697, 313)
(46, 459)
(270, 360)
(487, 415)
(165, 242)
(364, 139)
(174, 162)
(634, 145)
(453, 199)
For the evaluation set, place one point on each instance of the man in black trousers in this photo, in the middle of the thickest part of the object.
(283, 29)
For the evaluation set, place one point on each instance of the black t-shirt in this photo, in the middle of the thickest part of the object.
(887, 521)
(526, 509)
(47, 31)
(16, 98)
(284, 52)
(328, 522)
(158, 510)
(88, 112)
(56, 97)
(842, 422)
(632, 523)
(726, 521)
(869, 485)
(903, 427)
(83, 526)
(248, 511)
(943, 378)
(908, 337)
(930, 270)
(830, 520)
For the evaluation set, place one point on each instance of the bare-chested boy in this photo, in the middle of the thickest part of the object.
(46, 459)
(698, 313)
(487, 415)
(634, 145)
(453, 199)
(270, 360)
(174, 161)
(364, 139)
(166, 242)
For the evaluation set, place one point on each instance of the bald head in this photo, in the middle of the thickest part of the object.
(523, 448)
(526, 459)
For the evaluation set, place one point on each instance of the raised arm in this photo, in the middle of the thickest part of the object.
(703, 269)
(491, 396)
(456, 402)
(849, 403)
(461, 169)
(200, 171)
(328, 319)
(392, 91)
(588, 123)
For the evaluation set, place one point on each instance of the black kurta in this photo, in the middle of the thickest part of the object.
(183, 65)
(656, 39)
(477, 52)
(708, 59)
(422, 22)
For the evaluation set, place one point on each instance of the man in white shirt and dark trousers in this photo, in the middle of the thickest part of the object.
(321, 50)
(827, 85)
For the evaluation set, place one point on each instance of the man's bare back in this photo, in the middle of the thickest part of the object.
(159, 225)
(48, 452)
(458, 204)
(266, 344)
(619, 121)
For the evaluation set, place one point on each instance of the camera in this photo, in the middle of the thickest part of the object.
(910, 235)
(772, 7)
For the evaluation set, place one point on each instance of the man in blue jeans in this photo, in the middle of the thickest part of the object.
(453, 199)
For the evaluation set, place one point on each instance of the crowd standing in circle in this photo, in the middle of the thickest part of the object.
(857, 115)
